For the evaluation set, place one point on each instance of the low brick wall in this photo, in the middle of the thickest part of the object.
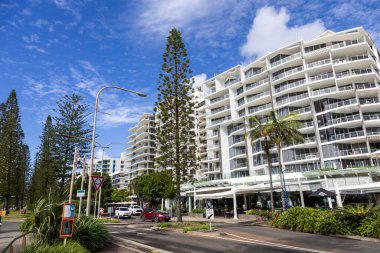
(249, 217)
(196, 215)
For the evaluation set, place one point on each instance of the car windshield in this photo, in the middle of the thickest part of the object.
(137, 207)
(124, 209)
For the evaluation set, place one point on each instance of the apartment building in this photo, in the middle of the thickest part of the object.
(332, 82)
(108, 165)
(141, 150)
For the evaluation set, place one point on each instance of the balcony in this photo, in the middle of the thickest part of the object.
(249, 73)
(306, 156)
(221, 120)
(288, 73)
(324, 91)
(353, 72)
(355, 151)
(290, 85)
(342, 119)
(371, 116)
(286, 59)
(214, 100)
(306, 124)
(365, 101)
(361, 86)
(256, 96)
(342, 136)
(350, 59)
(373, 131)
(321, 76)
(347, 43)
(219, 109)
(259, 108)
(256, 84)
(214, 134)
(341, 103)
(292, 99)
(318, 63)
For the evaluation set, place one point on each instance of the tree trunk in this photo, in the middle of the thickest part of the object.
(281, 178)
(267, 152)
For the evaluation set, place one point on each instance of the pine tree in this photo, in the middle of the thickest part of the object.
(71, 129)
(25, 182)
(43, 180)
(176, 146)
(11, 151)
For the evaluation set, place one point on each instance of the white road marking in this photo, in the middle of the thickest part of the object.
(140, 245)
(114, 232)
(264, 243)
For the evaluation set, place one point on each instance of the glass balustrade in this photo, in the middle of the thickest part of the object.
(286, 59)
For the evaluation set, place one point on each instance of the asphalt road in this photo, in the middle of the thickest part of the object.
(233, 238)
(8, 231)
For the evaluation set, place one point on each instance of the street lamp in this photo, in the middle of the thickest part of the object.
(93, 139)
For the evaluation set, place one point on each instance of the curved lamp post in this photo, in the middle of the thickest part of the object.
(93, 140)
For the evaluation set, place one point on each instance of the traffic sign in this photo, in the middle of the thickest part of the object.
(81, 193)
(67, 220)
(210, 214)
(68, 210)
(97, 181)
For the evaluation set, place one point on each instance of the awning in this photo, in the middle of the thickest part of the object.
(322, 193)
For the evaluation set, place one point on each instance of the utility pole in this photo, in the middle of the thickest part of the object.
(75, 164)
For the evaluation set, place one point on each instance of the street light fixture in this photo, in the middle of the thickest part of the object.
(140, 94)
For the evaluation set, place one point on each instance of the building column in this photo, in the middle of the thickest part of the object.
(195, 203)
(245, 202)
(330, 203)
(301, 193)
(189, 204)
(235, 204)
(162, 204)
(338, 197)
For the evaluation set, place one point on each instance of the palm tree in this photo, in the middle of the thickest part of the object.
(283, 131)
(258, 132)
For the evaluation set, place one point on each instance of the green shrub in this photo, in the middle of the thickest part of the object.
(370, 225)
(90, 233)
(71, 247)
(352, 216)
(45, 220)
(259, 212)
(198, 210)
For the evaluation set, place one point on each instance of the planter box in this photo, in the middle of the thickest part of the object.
(250, 217)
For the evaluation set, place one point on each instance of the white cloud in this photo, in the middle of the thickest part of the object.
(199, 80)
(270, 30)
(99, 154)
(26, 12)
(120, 115)
(38, 49)
(41, 23)
(31, 38)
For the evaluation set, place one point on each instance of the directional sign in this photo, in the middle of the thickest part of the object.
(81, 193)
(67, 221)
(97, 181)
(210, 214)
(68, 210)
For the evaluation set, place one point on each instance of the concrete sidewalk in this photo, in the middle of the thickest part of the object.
(216, 220)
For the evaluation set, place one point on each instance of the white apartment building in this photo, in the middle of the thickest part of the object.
(141, 150)
(332, 82)
(108, 165)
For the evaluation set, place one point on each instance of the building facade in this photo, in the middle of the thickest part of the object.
(332, 82)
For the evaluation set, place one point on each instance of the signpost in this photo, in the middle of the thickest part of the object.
(81, 193)
(210, 215)
(97, 181)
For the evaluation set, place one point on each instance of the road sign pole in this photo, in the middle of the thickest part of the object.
(75, 164)
(81, 185)
(96, 196)
(210, 225)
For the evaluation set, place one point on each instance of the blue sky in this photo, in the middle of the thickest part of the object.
(49, 48)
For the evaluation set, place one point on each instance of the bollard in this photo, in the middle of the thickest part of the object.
(23, 242)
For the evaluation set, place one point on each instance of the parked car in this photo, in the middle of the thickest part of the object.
(123, 212)
(136, 210)
(154, 215)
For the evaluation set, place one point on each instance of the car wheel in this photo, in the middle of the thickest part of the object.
(156, 219)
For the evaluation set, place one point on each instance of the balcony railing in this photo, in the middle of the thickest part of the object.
(220, 109)
(250, 73)
(286, 59)
(306, 156)
(318, 63)
(259, 108)
(350, 58)
(214, 100)
(355, 151)
(365, 101)
(307, 124)
(292, 99)
(347, 43)
(373, 132)
(324, 91)
(212, 134)
(287, 73)
(256, 84)
(372, 116)
(353, 72)
(360, 86)
(263, 94)
(341, 103)
(321, 77)
(343, 119)
(344, 136)
(220, 120)
(290, 85)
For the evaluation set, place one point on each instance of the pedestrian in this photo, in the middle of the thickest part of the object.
(1, 214)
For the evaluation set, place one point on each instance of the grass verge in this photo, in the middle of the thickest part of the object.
(185, 226)
(16, 215)
(108, 220)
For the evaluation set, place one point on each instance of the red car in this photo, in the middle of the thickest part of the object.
(154, 215)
